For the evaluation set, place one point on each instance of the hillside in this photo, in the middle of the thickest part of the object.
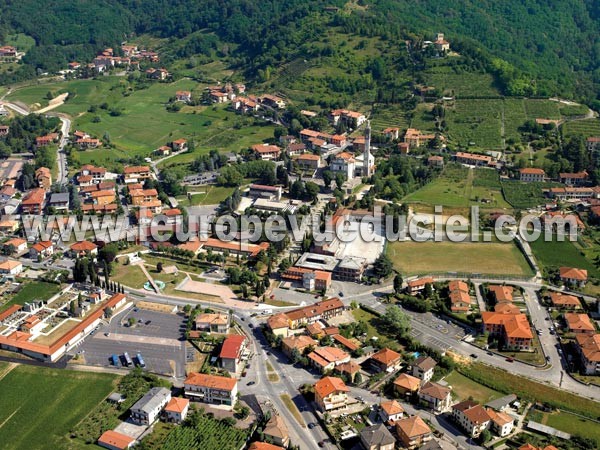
(533, 47)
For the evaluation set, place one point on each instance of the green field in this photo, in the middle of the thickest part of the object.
(465, 388)
(461, 187)
(523, 195)
(144, 123)
(475, 123)
(585, 128)
(388, 116)
(36, 290)
(414, 258)
(557, 254)
(572, 424)
(211, 195)
(542, 109)
(451, 83)
(39, 406)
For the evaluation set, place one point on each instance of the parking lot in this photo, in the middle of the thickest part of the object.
(159, 337)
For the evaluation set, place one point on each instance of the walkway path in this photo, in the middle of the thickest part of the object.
(150, 279)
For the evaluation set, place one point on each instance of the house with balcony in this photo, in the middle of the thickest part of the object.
(331, 393)
(211, 389)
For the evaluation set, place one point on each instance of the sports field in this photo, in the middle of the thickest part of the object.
(414, 258)
(39, 406)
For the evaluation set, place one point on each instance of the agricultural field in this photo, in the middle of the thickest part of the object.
(31, 398)
(34, 290)
(144, 124)
(514, 118)
(383, 117)
(573, 110)
(525, 195)
(459, 186)
(556, 254)
(416, 258)
(541, 109)
(585, 128)
(460, 84)
(207, 432)
(422, 119)
(475, 123)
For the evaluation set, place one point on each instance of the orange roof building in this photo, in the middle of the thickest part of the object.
(331, 393)
(514, 329)
(112, 440)
(406, 384)
(413, 432)
(579, 323)
(386, 360)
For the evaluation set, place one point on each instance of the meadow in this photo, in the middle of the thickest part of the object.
(33, 290)
(143, 123)
(40, 406)
(556, 254)
(415, 258)
(461, 187)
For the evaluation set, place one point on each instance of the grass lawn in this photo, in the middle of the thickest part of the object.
(458, 186)
(130, 275)
(372, 324)
(569, 423)
(210, 195)
(508, 383)
(413, 258)
(465, 388)
(557, 254)
(39, 406)
(35, 290)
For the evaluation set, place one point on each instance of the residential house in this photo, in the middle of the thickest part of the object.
(588, 346)
(579, 323)
(501, 423)
(406, 384)
(460, 300)
(532, 174)
(312, 313)
(4, 130)
(574, 179)
(592, 143)
(569, 193)
(6, 193)
(176, 410)
(231, 353)
(416, 286)
(349, 369)
(331, 393)
(148, 409)
(183, 96)
(135, 174)
(413, 432)
(9, 226)
(415, 139)
(313, 280)
(41, 250)
(97, 173)
(327, 358)
(501, 293)
(264, 446)
(10, 267)
(573, 276)
(391, 133)
(113, 440)
(308, 161)
(157, 74)
(146, 198)
(266, 152)
(386, 360)
(472, 417)
(351, 119)
(564, 302)
(211, 389)
(435, 161)
(15, 245)
(273, 101)
(473, 159)
(43, 177)
(276, 431)
(513, 329)
(423, 368)
(33, 202)
(84, 248)
(213, 323)
(299, 342)
(88, 142)
(390, 411)
(377, 437)
(279, 325)
(179, 145)
(435, 396)
(59, 202)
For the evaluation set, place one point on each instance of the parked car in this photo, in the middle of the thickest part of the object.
(509, 359)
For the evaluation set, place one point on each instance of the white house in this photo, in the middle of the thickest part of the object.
(147, 409)
(177, 409)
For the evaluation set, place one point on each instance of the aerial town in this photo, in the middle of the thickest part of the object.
(158, 288)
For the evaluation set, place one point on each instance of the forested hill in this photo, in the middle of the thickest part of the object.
(543, 47)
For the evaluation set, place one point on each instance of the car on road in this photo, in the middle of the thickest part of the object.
(341, 294)
(509, 359)
(250, 325)
(268, 353)
(250, 383)
(490, 353)
(547, 358)
(148, 322)
(474, 356)
(312, 425)
(242, 319)
(321, 444)
(107, 334)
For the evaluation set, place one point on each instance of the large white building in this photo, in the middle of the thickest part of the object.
(211, 389)
(147, 409)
